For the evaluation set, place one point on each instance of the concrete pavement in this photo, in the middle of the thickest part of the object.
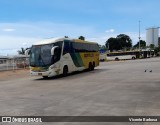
(113, 89)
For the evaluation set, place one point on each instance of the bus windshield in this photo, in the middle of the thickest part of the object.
(40, 55)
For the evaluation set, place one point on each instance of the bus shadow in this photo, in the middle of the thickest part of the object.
(74, 75)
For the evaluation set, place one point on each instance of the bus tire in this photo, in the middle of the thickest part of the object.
(45, 77)
(65, 70)
(93, 65)
(90, 67)
(116, 59)
(133, 58)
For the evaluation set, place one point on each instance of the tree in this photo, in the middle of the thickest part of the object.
(125, 40)
(157, 50)
(66, 37)
(122, 41)
(151, 46)
(22, 51)
(81, 38)
(102, 47)
(113, 44)
(142, 44)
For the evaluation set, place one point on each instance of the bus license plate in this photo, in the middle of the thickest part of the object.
(39, 74)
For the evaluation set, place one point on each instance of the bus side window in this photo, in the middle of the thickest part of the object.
(72, 50)
(66, 48)
(57, 55)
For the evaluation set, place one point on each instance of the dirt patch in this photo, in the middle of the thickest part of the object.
(14, 74)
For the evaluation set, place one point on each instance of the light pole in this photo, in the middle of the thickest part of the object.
(108, 47)
(139, 34)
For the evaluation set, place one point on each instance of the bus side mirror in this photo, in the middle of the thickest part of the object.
(52, 50)
(27, 52)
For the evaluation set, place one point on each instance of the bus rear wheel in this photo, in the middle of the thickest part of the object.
(133, 58)
(45, 77)
(65, 71)
(90, 66)
(93, 65)
(116, 59)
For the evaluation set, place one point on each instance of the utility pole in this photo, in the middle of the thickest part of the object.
(139, 34)
(108, 45)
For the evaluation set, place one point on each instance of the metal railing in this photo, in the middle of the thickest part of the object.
(13, 64)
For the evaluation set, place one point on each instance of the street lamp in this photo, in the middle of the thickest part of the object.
(139, 35)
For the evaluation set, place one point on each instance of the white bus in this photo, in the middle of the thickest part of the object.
(121, 55)
(53, 57)
(102, 57)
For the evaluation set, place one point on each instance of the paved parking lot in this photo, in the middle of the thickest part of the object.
(113, 89)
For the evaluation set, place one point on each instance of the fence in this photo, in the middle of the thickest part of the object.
(13, 64)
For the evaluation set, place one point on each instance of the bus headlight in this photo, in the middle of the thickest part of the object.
(54, 66)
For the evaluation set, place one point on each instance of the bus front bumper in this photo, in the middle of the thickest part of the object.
(47, 73)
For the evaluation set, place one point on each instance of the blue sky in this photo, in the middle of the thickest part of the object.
(23, 22)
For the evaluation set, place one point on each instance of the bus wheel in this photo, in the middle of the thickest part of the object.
(133, 58)
(90, 66)
(116, 59)
(45, 77)
(93, 65)
(65, 70)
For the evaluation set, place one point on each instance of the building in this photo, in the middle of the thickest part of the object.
(152, 35)
(3, 59)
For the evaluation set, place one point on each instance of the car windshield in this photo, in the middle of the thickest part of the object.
(40, 55)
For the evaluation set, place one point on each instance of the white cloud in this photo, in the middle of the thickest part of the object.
(28, 33)
(24, 44)
(16, 42)
(110, 31)
(8, 29)
(11, 44)
(46, 29)
(6, 52)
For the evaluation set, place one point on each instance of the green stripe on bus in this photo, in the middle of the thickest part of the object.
(77, 59)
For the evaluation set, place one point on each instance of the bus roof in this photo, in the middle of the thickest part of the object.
(83, 41)
(53, 40)
(49, 41)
